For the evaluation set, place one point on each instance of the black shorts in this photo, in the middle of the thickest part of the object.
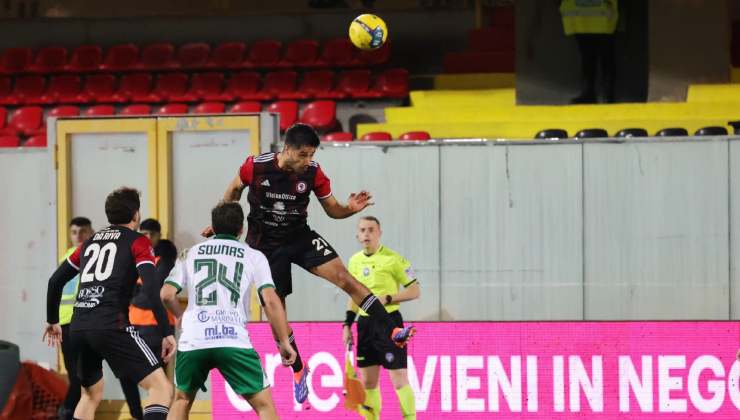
(308, 250)
(125, 351)
(374, 346)
(153, 338)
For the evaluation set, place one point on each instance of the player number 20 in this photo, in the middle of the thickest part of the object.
(100, 258)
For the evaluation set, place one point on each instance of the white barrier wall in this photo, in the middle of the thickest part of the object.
(595, 231)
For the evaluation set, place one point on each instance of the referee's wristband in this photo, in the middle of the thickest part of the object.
(349, 318)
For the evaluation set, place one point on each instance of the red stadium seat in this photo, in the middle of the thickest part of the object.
(29, 90)
(300, 53)
(171, 87)
(393, 83)
(38, 140)
(356, 84)
(415, 135)
(26, 121)
(9, 141)
(65, 111)
(376, 136)
(228, 55)
(245, 86)
(263, 54)
(3, 117)
(173, 109)
(64, 89)
(288, 111)
(6, 88)
(193, 55)
(337, 52)
(157, 56)
(339, 136)
(279, 83)
(50, 60)
(246, 107)
(121, 58)
(85, 58)
(374, 57)
(15, 60)
(100, 111)
(210, 108)
(135, 87)
(208, 86)
(99, 88)
(321, 115)
(136, 109)
(316, 84)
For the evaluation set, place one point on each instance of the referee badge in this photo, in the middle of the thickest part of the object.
(366, 272)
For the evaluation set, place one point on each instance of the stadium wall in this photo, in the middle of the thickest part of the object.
(633, 230)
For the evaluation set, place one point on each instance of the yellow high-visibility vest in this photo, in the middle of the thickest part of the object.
(589, 16)
(69, 295)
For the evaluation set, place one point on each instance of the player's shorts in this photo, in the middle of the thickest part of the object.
(153, 338)
(308, 250)
(241, 368)
(374, 346)
(125, 351)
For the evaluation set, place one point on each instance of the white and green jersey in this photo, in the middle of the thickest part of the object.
(218, 274)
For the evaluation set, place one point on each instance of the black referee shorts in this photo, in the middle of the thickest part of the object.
(374, 346)
(308, 250)
(125, 351)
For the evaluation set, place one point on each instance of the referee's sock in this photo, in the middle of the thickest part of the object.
(407, 402)
(155, 412)
(298, 365)
(372, 306)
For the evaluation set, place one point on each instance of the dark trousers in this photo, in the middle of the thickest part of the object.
(597, 59)
(69, 351)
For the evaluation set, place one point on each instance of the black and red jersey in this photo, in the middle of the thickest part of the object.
(278, 199)
(108, 263)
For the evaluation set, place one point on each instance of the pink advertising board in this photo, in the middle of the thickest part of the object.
(523, 370)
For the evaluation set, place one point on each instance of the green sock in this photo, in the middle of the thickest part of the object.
(407, 402)
(372, 404)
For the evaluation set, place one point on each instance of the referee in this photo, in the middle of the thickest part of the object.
(383, 271)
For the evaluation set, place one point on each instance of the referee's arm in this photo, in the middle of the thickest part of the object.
(410, 292)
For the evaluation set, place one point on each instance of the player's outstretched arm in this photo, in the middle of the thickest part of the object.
(168, 294)
(234, 190)
(279, 323)
(355, 204)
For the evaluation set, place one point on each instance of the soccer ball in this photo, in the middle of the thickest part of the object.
(368, 32)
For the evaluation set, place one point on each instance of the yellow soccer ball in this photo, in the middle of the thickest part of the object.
(368, 32)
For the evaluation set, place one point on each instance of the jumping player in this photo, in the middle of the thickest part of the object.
(383, 271)
(218, 275)
(109, 264)
(280, 186)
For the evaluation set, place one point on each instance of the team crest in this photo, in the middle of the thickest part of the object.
(389, 357)
(366, 272)
(301, 187)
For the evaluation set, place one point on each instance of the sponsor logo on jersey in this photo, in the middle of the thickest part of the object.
(89, 297)
(265, 183)
(410, 273)
(218, 332)
(301, 186)
(280, 196)
(366, 271)
(227, 317)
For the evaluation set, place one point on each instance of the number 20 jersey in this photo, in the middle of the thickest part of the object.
(218, 275)
(108, 271)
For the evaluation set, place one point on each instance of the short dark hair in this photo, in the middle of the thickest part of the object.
(227, 218)
(80, 222)
(371, 218)
(151, 225)
(121, 205)
(299, 135)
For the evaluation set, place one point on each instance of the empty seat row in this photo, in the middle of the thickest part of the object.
(29, 120)
(303, 53)
(343, 136)
(592, 133)
(208, 86)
